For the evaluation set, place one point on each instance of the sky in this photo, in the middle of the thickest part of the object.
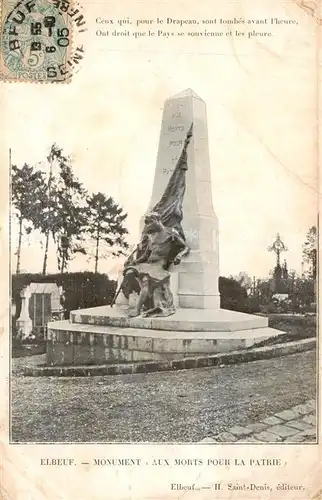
(261, 113)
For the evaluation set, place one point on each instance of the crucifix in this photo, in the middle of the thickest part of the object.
(278, 247)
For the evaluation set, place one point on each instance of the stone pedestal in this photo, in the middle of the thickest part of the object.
(103, 335)
(24, 323)
(198, 274)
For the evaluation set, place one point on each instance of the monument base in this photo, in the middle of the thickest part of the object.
(102, 335)
(202, 301)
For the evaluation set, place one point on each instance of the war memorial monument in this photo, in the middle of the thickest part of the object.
(167, 306)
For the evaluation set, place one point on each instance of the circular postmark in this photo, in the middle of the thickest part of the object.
(312, 8)
(36, 41)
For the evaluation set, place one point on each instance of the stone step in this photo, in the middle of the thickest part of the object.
(188, 320)
(202, 361)
(75, 343)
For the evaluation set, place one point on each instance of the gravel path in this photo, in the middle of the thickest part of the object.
(165, 406)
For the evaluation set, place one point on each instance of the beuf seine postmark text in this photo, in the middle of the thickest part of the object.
(37, 40)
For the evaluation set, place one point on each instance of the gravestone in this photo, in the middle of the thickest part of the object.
(198, 274)
(24, 322)
(44, 305)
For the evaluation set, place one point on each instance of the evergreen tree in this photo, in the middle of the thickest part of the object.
(70, 215)
(105, 227)
(244, 280)
(63, 212)
(49, 207)
(27, 192)
(310, 250)
(285, 271)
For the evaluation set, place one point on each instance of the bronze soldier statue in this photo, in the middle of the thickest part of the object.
(163, 244)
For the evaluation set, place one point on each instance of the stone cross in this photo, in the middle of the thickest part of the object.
(278, 247)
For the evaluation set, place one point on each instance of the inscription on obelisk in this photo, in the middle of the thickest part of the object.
(198, 274)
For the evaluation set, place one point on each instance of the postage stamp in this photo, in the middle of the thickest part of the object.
(36, 43)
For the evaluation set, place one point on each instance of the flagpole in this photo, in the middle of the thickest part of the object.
(10, 187)
(10, 199)
(9, 256)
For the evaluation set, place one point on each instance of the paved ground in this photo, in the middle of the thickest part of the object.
(294, 425)
(183, 406)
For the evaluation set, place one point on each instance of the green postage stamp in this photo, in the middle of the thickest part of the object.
(36, 43)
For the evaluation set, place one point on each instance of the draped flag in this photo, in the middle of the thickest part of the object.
(170, 205)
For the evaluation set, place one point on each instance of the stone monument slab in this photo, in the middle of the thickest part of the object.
(198, 273)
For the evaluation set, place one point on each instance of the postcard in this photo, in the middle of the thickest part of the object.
(159, 244)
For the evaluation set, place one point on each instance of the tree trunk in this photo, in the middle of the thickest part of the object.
(96, 252)
(19, 245)
(44, 268)
(63, 260)
(64, 252)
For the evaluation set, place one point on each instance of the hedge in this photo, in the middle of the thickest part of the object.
(85, 289)
(81, 290)
(232, 295)
(293, 322)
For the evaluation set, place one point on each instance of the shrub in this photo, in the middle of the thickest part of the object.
(252, 305)
(232, 295)
(268, 308)
(299, 326)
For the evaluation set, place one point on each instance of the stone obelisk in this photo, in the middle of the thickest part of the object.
(198, 274)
